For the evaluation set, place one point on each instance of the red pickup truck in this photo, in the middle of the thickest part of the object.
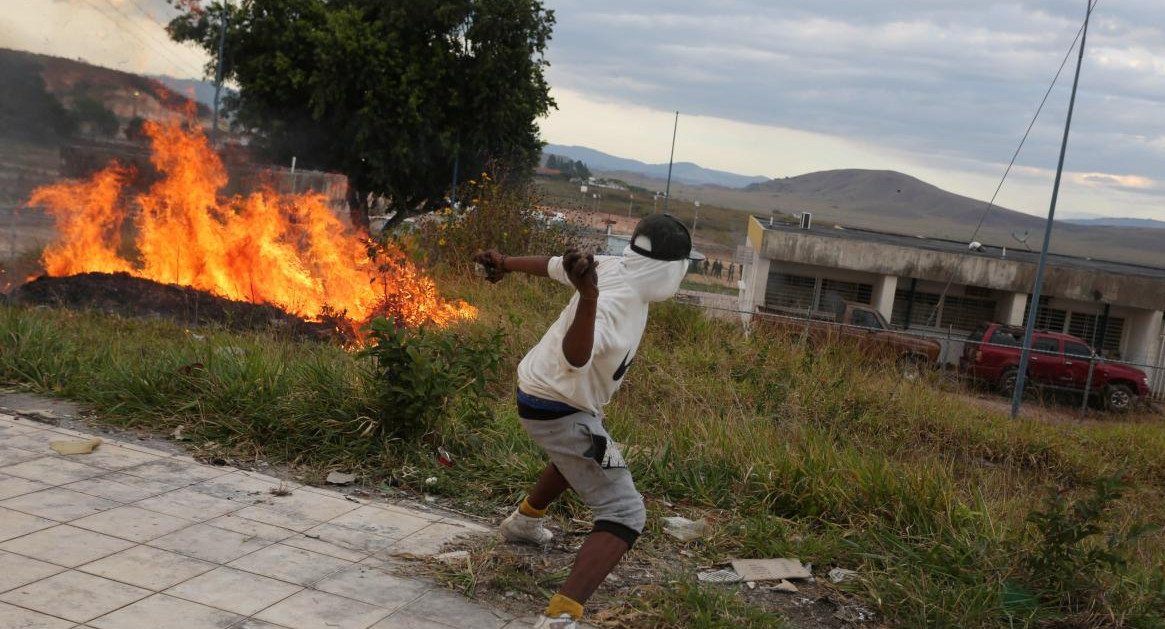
(1058, 361)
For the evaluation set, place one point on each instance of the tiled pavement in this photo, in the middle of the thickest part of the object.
(133, 538)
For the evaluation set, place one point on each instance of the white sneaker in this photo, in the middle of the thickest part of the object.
(525, 530)
(562, 622)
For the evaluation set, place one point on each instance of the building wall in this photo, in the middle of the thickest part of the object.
(1139, 301)
(959, 268)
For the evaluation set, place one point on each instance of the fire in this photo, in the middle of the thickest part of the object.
(290, 251)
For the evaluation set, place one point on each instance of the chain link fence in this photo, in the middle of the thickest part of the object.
(953, 344)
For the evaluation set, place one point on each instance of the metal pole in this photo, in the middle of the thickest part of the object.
(667, 193)
(222, 36)
(1088, 384)
(1025, 357)
(456, 168)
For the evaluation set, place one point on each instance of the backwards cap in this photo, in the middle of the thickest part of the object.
(663, 237)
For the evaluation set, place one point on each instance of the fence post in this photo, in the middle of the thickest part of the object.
(1088, 385)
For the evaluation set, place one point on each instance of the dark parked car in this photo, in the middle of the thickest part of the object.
(1058, 361)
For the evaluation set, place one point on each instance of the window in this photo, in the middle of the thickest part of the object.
(790, 291)
(960, 313)
(834, 292)
(1008, 337)
(965, 313)
(1076, 349)
(865, 319)
(1051, 319)
(1045, 345)
(920, 309)
(1087, 326)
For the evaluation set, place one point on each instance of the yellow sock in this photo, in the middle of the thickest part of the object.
(526, 510)
(560, 605)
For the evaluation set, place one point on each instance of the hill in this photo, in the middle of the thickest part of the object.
(51, 98)
(895, 202)
(1119, 222)
(683, 172)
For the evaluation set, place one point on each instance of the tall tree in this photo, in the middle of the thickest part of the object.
(388, 92)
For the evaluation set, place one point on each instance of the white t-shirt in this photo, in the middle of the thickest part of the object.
(626, 286)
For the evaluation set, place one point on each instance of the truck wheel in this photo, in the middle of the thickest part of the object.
(1007, 381)
(1118, 398)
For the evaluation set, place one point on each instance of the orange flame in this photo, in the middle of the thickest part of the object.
(290, 251)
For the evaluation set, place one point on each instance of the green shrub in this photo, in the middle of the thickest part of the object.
(1074, 571)
(421, 375)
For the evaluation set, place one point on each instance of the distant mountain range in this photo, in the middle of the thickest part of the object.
(683, 172)
(894, 202)
(1118, 222)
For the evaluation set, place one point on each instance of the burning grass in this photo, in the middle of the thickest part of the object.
(794, 451)
(290, 251)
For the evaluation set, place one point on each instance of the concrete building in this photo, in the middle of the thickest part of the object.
(1118, 308)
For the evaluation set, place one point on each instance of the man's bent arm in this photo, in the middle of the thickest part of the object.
(579, 342)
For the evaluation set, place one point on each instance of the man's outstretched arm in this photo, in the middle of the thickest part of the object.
(530, 265)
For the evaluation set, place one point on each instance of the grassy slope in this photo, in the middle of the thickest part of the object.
(792, 451)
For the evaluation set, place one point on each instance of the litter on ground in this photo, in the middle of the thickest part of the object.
(770, 569)
(684, 529)
(75, 447)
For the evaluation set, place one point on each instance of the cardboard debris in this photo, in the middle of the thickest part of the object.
(684, 529)
(75, 447)
(785, 586)
(718, 576)
(841, 575)
(770, 569)
(340, 478)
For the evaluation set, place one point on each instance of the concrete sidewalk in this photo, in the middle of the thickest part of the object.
(132, 538)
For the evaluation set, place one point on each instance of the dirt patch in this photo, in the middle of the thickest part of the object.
(128, 296)
(520, 579)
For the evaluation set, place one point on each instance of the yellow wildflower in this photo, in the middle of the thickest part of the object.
(441, 242)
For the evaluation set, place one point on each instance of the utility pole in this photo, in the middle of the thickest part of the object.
(667, 194)
(222, 36)
(456, 169)
(1025, 356)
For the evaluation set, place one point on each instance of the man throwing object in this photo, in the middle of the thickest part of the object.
(567, 378)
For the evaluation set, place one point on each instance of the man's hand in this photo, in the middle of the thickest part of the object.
(581, 269)
(493, 263)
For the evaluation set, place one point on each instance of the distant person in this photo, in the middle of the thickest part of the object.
(731, 271)
(569, 376)
(706, 266)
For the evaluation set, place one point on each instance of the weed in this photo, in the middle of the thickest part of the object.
(422, 375)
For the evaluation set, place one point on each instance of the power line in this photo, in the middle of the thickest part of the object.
(1014, 157)
(143, 41)
(150, 35)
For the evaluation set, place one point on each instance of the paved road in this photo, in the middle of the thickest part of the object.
(132, 538)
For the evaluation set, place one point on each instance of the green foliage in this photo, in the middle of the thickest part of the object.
(421, 374)
(1074, 564)
(28, 110)
(568, 168)
(495, 216)
(688, 604)
(389, 93)
(787, 449)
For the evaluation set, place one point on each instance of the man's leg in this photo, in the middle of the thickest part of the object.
(596, 559)
(525, 524)
(551, 483)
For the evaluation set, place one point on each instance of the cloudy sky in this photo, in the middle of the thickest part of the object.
(939, 89)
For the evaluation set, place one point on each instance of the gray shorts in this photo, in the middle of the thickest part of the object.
(584, 453)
